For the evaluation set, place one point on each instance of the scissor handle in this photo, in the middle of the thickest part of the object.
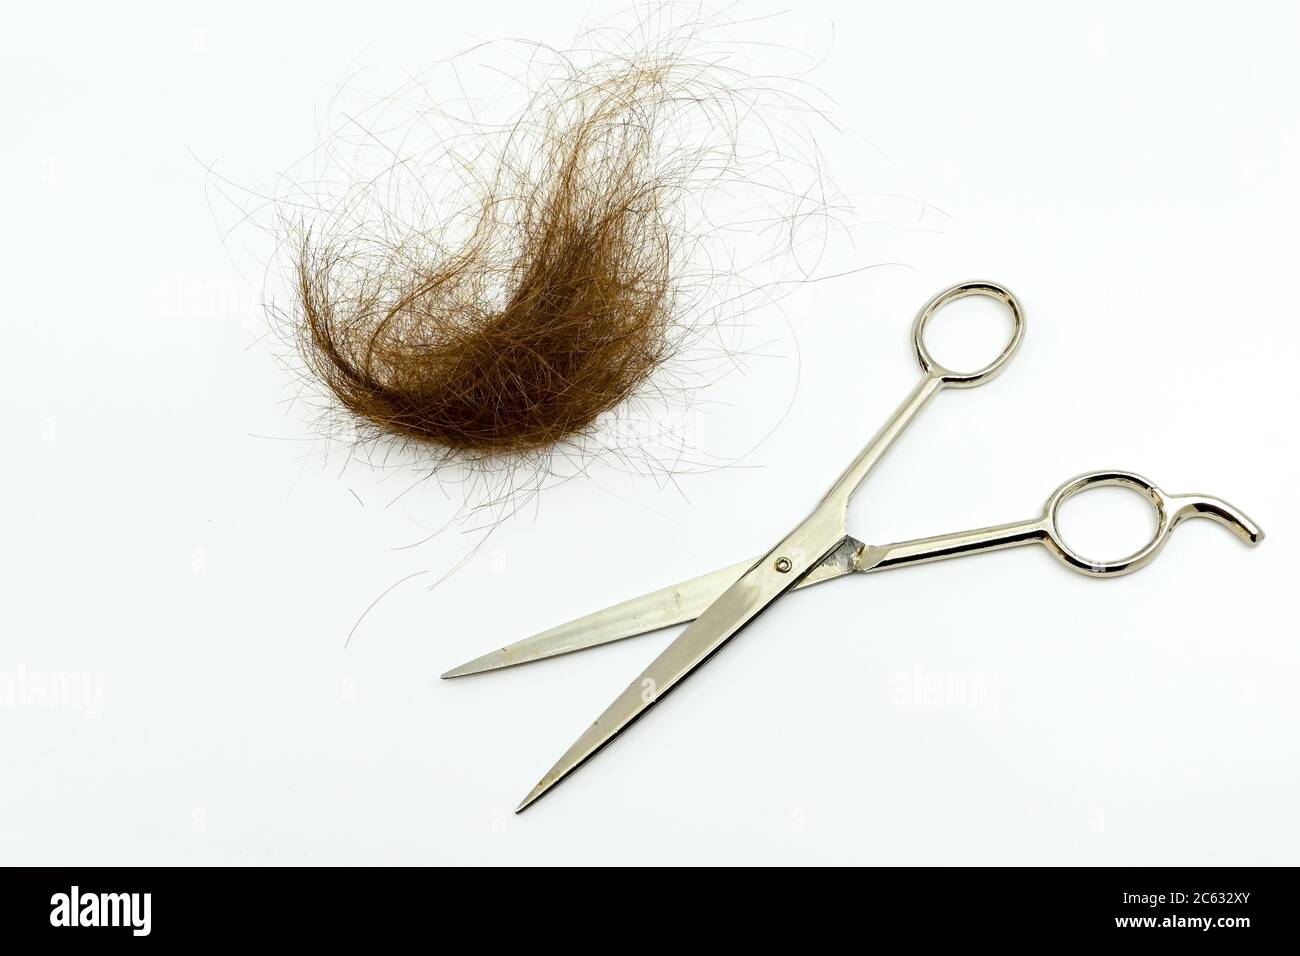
(1171, 510)
(834, 505)
(967, 379)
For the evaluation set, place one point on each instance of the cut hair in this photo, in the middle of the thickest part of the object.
(552, 310)
(528, 263)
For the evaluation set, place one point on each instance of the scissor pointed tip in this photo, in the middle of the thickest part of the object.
(488, 662)
(574, 758)
(533, 796)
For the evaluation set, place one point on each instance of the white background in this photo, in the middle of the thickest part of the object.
(171, 527)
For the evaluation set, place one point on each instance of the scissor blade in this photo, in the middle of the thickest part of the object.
(662, 608)
(650, 612)
(722, 620)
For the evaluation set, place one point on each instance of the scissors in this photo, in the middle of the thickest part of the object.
(722, 603)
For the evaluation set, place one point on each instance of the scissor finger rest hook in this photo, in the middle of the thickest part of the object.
(1171, 511)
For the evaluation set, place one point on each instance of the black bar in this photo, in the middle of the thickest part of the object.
(1229, 906)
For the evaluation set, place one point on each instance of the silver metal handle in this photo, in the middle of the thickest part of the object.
(953, 379)
(1171, 511)
(935, 378)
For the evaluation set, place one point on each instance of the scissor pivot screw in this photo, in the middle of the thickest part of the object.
(783, 565)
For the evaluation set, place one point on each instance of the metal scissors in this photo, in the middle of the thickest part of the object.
(820, 549)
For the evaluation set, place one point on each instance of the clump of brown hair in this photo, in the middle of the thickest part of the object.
(552, 310)
(549, 274)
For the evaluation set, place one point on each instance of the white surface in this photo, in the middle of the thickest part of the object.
(1129, 171)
